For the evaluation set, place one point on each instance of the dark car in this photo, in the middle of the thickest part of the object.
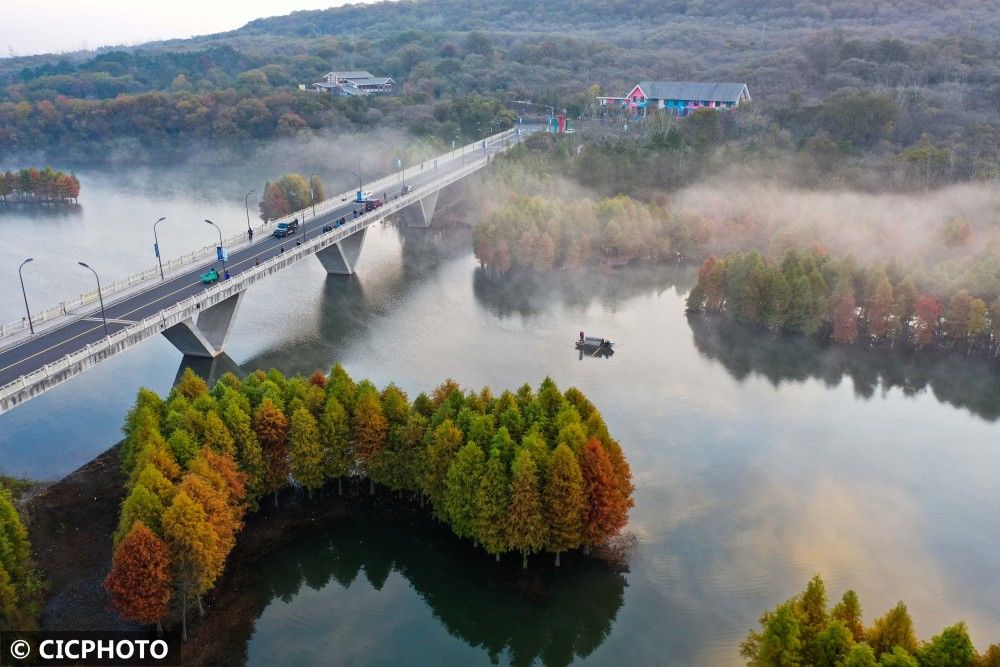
(373, 204)
(285, 229)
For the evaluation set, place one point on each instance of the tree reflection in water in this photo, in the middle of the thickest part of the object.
(555, 616)
(967, 382)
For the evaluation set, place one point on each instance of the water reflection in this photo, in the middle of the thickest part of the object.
(42, 211)
(545, 615)
(952, 377)
(527, 294)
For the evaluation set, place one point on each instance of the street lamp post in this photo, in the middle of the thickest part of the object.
(100, 296)
(31, 326)
(156, 246)
(312, 198)
(246, 205)
(222, 252)
(357, 175)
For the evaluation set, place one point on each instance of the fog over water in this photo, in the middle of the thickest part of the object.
(758, 461)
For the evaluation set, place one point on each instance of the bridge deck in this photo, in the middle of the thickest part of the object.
(35, 364)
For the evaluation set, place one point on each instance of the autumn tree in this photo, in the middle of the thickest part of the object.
(927, 311)
(526, 530)
(194, 550)
(370, 429)
(780, 643)
(878, 310)
(305, 451)
(444, 443)
(848, 611)
(895, 628)
(139, 581)
(249, 454)
(271, 428)
(492, 502)
(273, 205)
(563, 502)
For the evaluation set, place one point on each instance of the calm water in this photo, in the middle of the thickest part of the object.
(758, 461)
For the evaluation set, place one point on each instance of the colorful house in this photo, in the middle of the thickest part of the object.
(355, 83)
(679, 97)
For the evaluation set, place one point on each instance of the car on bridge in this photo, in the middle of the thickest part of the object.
(209, 277)
(285, 229)
(373, 204)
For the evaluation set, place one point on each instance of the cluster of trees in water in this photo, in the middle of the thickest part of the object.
(20, 583)
(813, 293)
(38, 185)
(523, 472)
(292, 192)
(805, 631)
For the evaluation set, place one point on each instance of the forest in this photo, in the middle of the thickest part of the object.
(525, 472)
(815, 294)
(41, 186)
(21, 584)
(806, 631)
(873, 80)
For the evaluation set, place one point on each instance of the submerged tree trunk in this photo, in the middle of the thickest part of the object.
(275, 499)
(340, 486)
(201, 608)
(524, 560)
(498, 558)
(159, 628)
(184, 624)
(586, 549)
(557, 559)
(371, 486)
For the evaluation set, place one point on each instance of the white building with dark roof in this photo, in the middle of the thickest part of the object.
(355, 82)
(680, 97)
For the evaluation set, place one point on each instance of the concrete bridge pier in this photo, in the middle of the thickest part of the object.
(420, 213)
(342, 257)
(207, 336)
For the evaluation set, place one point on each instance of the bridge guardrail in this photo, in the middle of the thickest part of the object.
(52, 374)
(118, 286)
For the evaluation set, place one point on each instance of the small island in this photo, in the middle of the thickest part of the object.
(38, 186)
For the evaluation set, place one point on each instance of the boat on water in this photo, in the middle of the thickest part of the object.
(594, 345)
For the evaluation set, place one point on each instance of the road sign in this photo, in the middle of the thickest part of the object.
(156, 250)
(221, 254)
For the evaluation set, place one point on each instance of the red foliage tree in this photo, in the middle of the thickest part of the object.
(274, 204)
(928, 314)
(845, 320)
(607, 509)
(139, 581)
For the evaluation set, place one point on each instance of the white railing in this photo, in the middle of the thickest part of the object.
(124, 284)
(48, 376)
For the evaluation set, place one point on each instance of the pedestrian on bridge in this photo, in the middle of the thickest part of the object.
(250, 235)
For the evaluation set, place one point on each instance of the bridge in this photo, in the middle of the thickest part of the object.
(77, 335)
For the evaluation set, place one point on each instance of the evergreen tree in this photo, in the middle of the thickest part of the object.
(951, 648)
(335, 439)
(182, 446)
(848, 611)
(893, 629)
(143, 506)
(14, 546)
(492, 502)
(832, 644)
(460, 486)
(860, 655)
(526, 530)
(564, 502)
(248, 453)
(216, 436)
(443, 445)
(305, 451)
(780, 643)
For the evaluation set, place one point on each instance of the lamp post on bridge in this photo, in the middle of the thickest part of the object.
(246, 205)
(357, 175)
(31, 327)
(100, 295)
(312, 198)
(222, 252)
(156, 246)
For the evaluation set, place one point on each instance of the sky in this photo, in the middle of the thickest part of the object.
(52, 26)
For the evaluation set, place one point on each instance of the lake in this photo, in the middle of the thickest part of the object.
(758, 461)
